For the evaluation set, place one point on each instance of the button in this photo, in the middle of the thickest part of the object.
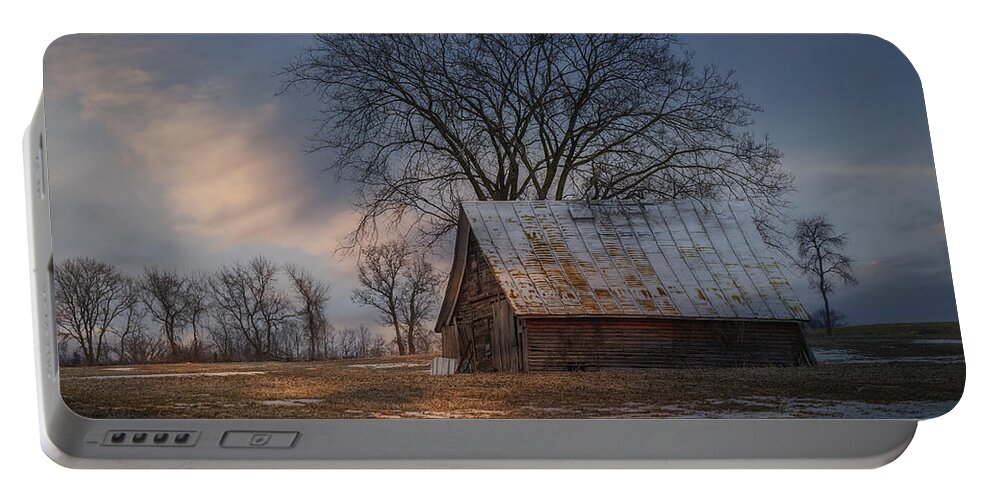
(160, 437)
(117, 437)
(139, 437)
(245, 439)
(182, 437)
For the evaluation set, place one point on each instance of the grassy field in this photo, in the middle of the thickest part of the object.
(911, 371)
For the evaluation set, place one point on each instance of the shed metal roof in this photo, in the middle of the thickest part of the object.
(678, 259)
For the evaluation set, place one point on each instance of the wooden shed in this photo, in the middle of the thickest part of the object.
(566, 285)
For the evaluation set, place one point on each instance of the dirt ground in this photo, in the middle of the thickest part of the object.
(880, 371)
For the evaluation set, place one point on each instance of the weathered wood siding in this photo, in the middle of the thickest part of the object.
(506, 348)
(450, 341)
(594, 343)
(486, 336)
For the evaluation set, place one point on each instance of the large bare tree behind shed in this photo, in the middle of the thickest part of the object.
(91, 298)
(422, 122)
(819, 250)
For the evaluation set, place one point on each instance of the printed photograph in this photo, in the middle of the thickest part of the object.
(496, 226)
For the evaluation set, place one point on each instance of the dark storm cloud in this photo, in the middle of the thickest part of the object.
(848, 113)
(176, 151)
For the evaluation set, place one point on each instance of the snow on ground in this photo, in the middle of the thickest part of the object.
(758, 407)
(379, 366)
(766, 407)
(465, 413)
(291, 402)
(824, 355)
(936, 341)
(119, 369)
(167, 375)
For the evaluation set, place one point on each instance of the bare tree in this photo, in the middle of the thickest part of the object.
(312, 297)
(133, 322)
(165, 297)
(197, 298)
(327, 342)
(380, 273)
(422, 122)
(377, 346)
(139, 347)
(249, 301)
(359, 343)
(289, 340)
(346, 346)
(819, 256)
(91, 297)
(418, 296)
(227, 344)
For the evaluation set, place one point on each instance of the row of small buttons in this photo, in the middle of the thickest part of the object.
(140, 438)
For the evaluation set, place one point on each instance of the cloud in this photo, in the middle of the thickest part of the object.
(223, 167)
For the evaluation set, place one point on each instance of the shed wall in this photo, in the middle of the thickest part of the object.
(485, 337)
(593, 343)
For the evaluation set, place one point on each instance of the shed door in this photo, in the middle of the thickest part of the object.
(505, 342)
(450, 341)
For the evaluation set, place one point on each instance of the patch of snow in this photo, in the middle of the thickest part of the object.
(548, 409)
(379, 366)
(774, 407)
(119, 369)
(937, 341)
(850, 357)
(862, 409)
(837, 356)
(171, 375)
(770, 407)
(291, 402)
(467, 413)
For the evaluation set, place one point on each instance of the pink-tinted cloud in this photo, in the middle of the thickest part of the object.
(223, 172)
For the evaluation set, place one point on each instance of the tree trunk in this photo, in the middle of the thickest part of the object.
(410, 341)
(400, 344)
(411, 323)
(171, 336)
(827, 312)
(313, 344)
(88, 351)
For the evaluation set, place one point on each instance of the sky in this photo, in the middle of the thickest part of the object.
(178, 152)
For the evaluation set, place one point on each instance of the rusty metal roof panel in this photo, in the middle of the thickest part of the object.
(504, 261)
(644, 279)
(675, 294)
(616, 258)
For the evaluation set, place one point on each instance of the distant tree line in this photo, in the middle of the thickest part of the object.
(247, 311)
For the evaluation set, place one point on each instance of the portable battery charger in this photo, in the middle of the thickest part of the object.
(569, 250)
